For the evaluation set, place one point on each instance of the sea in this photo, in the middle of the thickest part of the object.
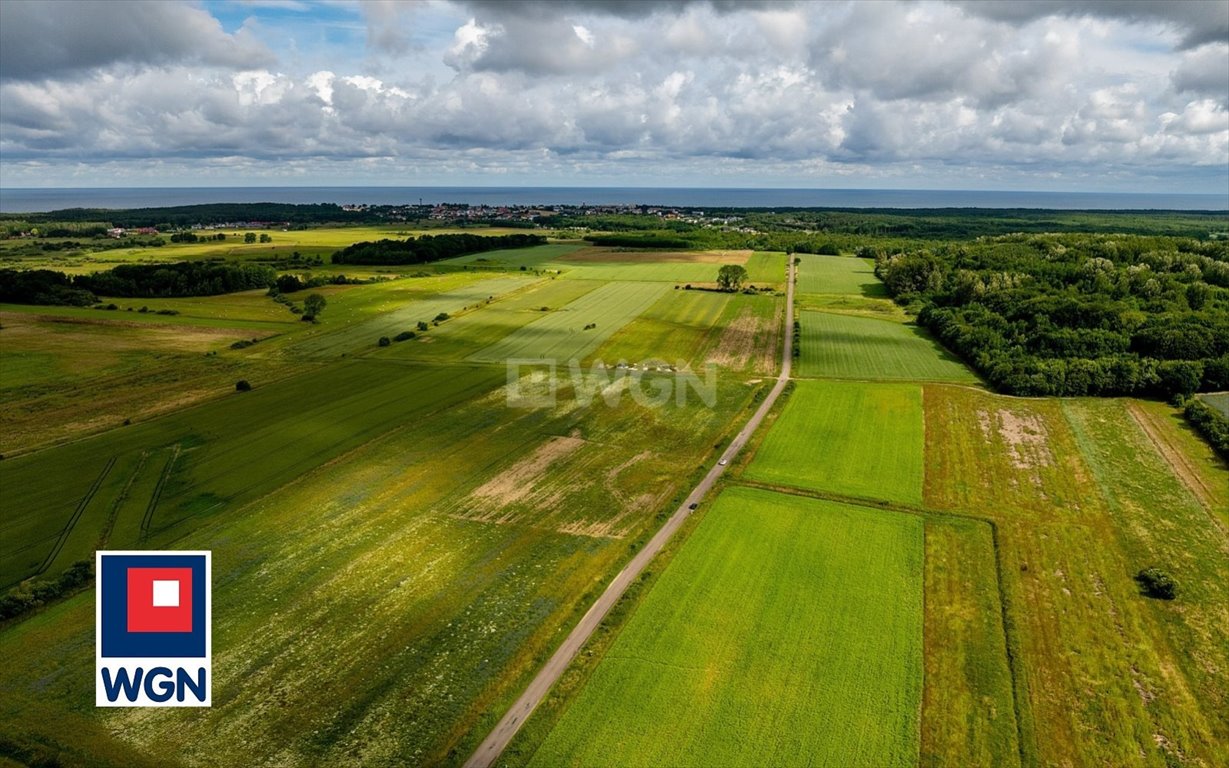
(27, 200)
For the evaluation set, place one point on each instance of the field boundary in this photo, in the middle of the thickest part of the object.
(72, 521)
(1176, 461)
(923, 511)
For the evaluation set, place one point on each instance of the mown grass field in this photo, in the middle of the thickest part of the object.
(561, 334)
(854, 439)
(1084, 498)
(968, 705)
(734, 331)
(845, 347)
(787, 631)
(838, 275)
(386, 309)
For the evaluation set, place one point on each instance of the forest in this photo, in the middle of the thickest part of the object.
(426, 248)
(186, 278)
(1075, 314)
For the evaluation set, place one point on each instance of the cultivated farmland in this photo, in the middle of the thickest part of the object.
(900, 568)
(562, 334)
(838, 275)
(853, 439)
(800, 645)
(845, 347)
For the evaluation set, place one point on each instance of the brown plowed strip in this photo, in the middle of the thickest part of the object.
(1178, 461)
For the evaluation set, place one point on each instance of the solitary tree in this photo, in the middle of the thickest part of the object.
(249, 237)
(731, 276)
(314, 304)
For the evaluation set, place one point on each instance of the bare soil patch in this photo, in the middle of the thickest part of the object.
(518, 481)
(737, 342)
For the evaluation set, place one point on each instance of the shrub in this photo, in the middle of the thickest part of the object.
(242, 385)
(34, 593)
(1210, 423)
(441, 317)
(1157, 583)
(404, 336)
(384, 341)
(422, 325)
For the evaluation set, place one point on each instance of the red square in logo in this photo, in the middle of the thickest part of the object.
(159, 599)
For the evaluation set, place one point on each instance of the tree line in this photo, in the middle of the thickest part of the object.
(427, 248)
(1075, 314)
(186, 278)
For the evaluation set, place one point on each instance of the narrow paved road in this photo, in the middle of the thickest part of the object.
(495, 742)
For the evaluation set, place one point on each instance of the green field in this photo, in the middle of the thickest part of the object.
(1219, 401)
(838, 275)
(363, 581)
(968, 705)
(387, 309)
(901, 568)
(844, 347)
(289, 427)
(787, 631)
(561, 335)
(430, 538)
(735, 331)
(854, 439)
(1056, 477)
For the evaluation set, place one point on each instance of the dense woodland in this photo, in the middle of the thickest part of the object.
(420, 250)
(1075, 314)
(186, 278)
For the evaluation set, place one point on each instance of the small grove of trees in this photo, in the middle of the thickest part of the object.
(428, 248)
(35, 593)
(42, 286)
(192, 237)
(730, 277)
(186, 278)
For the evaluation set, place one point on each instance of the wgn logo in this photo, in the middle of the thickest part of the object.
(152, 623)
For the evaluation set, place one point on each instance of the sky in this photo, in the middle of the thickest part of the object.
(1110, 96)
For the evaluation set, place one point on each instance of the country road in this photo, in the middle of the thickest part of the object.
(498, 739)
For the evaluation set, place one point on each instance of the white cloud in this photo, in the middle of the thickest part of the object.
(40, 40)
(801, 91)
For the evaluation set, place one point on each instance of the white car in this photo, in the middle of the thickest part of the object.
(722, 462)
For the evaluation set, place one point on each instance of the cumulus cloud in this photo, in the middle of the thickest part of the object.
(1204, 71)
(1198, 21)
(792, 91)
(40, 40)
